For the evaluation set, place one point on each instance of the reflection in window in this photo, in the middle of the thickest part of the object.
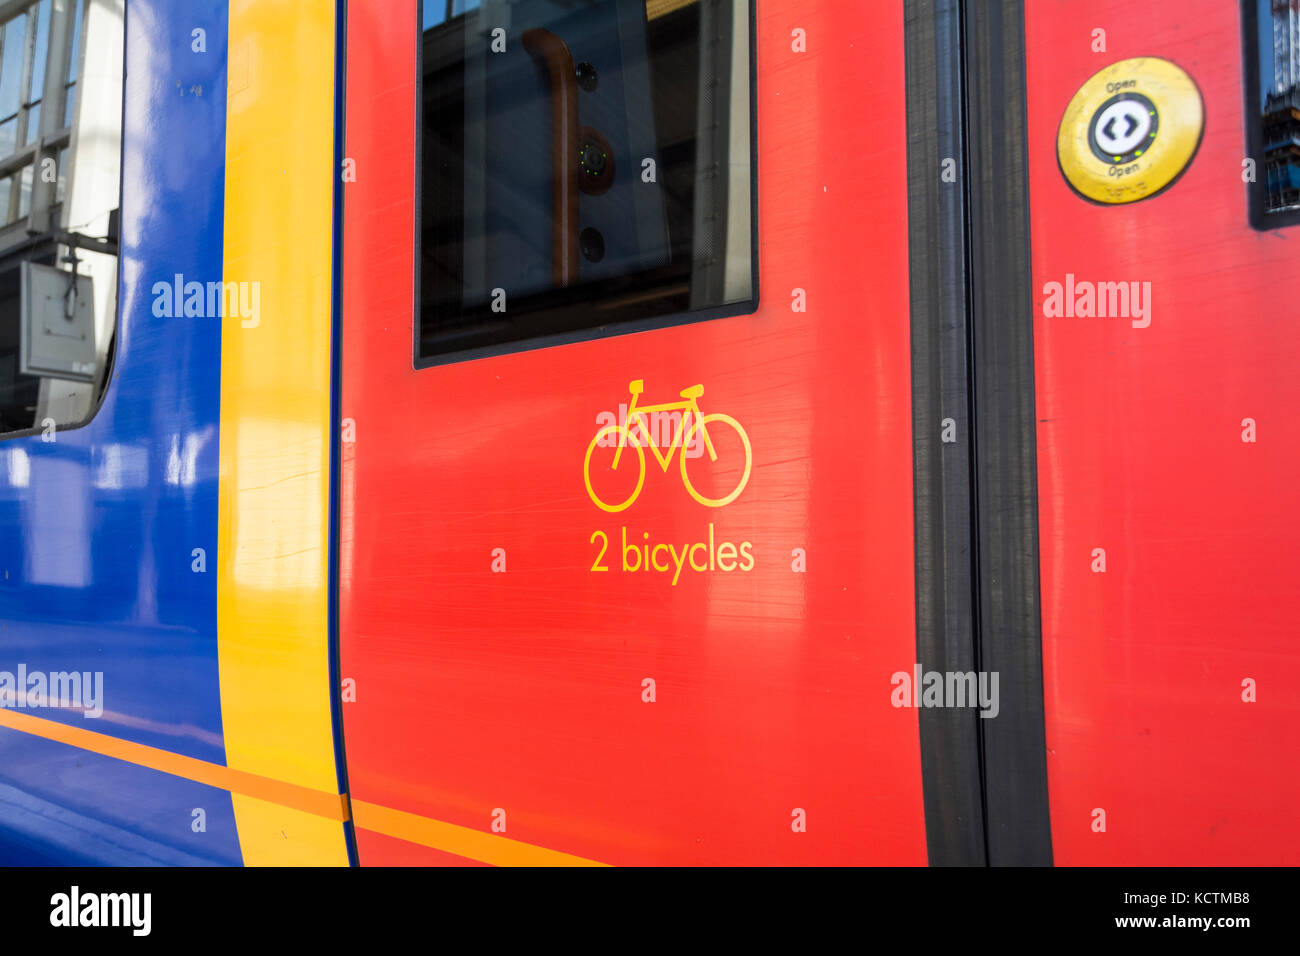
(440, 11)
(59, 174)
(1276, 69)
(585, 164)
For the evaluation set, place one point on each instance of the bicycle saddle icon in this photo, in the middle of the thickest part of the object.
(636, 433)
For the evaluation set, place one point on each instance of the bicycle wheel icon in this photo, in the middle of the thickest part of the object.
(622, 439)
(701, 424)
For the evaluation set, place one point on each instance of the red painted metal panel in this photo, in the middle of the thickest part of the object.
(522, 690)
(1140, 452)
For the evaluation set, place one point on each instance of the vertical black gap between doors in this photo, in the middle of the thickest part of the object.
(984, 779)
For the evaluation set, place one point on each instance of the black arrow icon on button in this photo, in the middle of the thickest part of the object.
(1110, 133)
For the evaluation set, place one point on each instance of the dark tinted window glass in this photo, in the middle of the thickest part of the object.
(1273, 109)
(585, 165)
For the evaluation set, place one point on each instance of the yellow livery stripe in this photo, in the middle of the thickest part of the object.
(272, 593)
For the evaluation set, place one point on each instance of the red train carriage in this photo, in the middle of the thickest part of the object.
(536, 660)
(649, 432)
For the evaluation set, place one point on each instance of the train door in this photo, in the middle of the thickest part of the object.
(1163, 163)
(818, 433)
(626, 490)
(1100, 318)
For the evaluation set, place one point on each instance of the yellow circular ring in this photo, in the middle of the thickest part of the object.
(696, 426)
(626, 437)
(1179, 123)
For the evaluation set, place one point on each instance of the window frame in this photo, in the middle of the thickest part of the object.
(32, 247)
(627, 327)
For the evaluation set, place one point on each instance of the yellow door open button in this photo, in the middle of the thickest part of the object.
(1130, 130)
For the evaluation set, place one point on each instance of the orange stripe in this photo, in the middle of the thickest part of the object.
(462, 841)
(332, 806)
(449, 837)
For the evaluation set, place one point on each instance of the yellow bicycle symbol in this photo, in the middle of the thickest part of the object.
(682, 438)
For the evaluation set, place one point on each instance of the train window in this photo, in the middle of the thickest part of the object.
(1272, 58)
(60, 163)
(587, 168)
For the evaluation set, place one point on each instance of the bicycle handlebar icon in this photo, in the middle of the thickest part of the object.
(684, 435)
